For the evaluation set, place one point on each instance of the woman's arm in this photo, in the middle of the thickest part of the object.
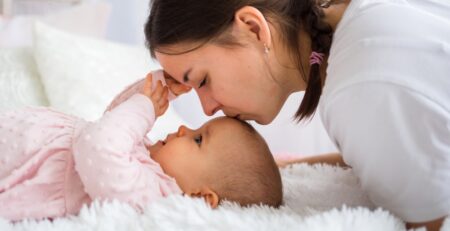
(330, 159)
(430, 225)
(396, 138)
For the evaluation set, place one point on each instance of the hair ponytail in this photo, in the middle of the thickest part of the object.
(321, 37)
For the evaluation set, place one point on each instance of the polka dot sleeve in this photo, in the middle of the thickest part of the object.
(110, 156)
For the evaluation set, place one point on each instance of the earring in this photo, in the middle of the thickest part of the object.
(266, 49)
(325, 3)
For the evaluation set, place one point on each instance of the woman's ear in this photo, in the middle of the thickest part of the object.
(251, 22)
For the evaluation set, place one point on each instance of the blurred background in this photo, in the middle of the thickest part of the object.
(121, 21)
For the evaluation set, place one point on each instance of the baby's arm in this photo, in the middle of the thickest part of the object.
(105, 156)
(109, 155)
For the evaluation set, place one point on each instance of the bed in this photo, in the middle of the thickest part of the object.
(316, 197)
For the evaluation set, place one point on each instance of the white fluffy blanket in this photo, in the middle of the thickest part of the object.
(316, 197)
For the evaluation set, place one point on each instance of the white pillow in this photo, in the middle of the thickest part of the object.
(82, 75)
(20, 84)
(87, 19)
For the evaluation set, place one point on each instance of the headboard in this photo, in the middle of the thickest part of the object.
(21, 7)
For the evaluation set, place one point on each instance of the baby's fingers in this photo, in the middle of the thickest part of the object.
(163, 100)
(163, 107)
(148, 85)
(162, 104)
(179, 89)
(176, 87)
(158, 91)
(165, 94)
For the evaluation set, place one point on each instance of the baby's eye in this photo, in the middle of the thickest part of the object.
(198, 139)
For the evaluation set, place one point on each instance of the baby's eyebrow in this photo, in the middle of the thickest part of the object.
(207, 134)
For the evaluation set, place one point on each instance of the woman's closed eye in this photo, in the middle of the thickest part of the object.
(198, 139)
(203, 82)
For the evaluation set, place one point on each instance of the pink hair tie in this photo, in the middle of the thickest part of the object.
(316, 58)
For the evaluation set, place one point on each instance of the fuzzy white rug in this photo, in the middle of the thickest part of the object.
(316, 198)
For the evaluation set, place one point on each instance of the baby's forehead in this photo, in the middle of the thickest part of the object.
(229, 126)
(228, 134)
(225, 122)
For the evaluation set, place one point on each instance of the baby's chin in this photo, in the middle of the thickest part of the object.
(155, 149)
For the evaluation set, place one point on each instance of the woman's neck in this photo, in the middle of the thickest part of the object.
(284, 69)
(293, 78)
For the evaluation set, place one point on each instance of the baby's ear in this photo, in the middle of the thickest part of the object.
(211, 197)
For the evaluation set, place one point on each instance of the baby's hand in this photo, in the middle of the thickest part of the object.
(158, 96)
(175, 87)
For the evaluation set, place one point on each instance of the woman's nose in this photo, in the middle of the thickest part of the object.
(209, 104)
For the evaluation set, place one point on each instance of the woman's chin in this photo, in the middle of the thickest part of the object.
(264, 120)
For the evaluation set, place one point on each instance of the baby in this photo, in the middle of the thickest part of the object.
(52, 163)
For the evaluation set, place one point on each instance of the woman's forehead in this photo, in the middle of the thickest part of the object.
(188, 54)
(175, 65)
(185, 65)
(177, 52)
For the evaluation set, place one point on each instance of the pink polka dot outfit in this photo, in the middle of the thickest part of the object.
(52, 163)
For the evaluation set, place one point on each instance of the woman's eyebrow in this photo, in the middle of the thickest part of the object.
(186, 75)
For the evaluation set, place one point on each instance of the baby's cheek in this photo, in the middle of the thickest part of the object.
(181, 169)
(168, 164)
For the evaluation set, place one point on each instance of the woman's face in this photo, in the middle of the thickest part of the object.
(236, 80)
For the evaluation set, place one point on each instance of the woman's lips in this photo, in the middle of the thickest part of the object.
(241, 117)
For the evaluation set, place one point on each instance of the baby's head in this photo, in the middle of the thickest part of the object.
(225, 159)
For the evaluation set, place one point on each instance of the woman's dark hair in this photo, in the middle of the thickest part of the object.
(200, 21)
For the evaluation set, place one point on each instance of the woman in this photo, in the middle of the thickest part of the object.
(380, 68)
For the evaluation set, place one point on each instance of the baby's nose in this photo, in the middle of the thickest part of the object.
(181, 131)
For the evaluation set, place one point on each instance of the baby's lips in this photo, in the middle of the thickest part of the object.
(160, 143)
(167, 139)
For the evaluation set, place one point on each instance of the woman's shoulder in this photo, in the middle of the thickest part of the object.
(370, 20)
(377, 46)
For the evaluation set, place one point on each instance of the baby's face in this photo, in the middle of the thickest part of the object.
(187, 155)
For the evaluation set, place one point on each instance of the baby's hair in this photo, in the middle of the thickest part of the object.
(247, 172)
